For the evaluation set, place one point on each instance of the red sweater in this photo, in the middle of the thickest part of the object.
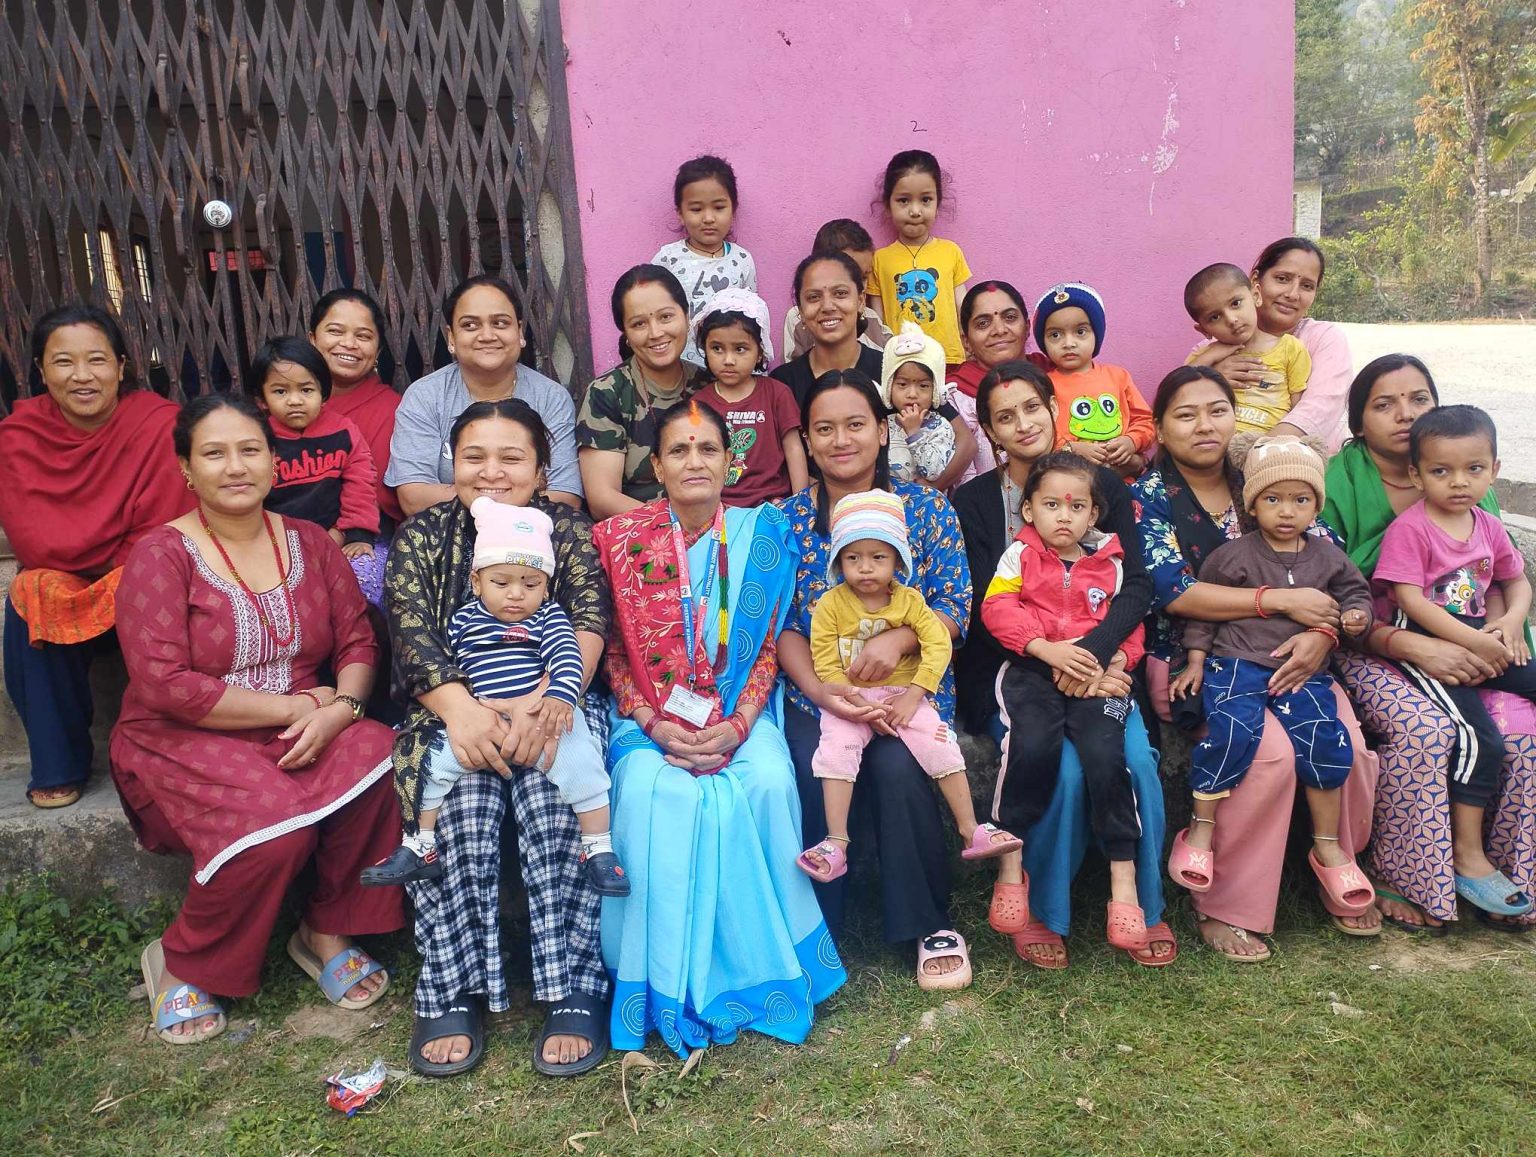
(371, 404)
(1034, 595)
(325, 474)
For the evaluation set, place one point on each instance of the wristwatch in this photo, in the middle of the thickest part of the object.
(353, 702)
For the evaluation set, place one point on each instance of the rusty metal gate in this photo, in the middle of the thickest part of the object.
(385, 144)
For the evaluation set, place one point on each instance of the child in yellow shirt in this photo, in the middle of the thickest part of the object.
(1225, 307)
(869, 542)
(919, 277)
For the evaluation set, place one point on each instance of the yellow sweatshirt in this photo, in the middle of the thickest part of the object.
(841, 625)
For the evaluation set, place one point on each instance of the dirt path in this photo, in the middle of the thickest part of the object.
(1492, 365)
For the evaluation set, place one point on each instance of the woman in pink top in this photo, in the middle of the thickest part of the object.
(1287, 276)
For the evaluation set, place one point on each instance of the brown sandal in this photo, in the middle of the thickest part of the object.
(52, 797)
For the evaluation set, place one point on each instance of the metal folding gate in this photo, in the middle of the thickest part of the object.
(388, 144)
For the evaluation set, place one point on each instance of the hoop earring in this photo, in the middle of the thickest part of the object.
(188, 480)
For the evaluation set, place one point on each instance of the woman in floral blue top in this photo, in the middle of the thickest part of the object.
(844, 423)
(1189, 504)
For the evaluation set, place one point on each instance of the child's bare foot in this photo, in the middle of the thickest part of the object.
(1330, 854)
(1201, 834)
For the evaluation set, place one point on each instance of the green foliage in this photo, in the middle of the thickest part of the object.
(65, 965)
(1355, 86)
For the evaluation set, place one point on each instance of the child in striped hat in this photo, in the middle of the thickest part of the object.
(869, 547)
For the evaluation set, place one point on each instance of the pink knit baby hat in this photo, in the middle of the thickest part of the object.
(512, 534)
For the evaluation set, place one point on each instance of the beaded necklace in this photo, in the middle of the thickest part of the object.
(282, 581)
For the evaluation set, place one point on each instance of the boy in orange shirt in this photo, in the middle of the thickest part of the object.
(1100, 415)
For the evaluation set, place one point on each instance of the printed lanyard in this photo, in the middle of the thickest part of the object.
(719, 563)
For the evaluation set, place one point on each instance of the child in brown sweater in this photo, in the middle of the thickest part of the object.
(1233, 664)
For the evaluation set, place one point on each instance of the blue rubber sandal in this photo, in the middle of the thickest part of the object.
(340, 974)
(1492, 894)
(177, 1006)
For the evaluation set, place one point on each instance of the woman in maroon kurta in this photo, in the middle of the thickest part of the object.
(229, 749)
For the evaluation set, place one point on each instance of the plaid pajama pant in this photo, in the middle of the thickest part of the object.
(458, 920)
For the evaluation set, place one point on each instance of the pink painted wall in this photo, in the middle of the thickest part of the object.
(1126, 149)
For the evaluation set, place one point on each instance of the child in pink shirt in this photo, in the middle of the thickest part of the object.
(1448, 569)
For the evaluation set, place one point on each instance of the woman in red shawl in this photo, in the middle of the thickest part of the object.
(230, 750)
(85, 469)
(347, 327)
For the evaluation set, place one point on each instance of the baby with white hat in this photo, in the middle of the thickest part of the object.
(507, 638)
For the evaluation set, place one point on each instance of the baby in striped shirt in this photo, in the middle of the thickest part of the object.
(507, 638)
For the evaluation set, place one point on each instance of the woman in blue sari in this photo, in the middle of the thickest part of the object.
(720, 931)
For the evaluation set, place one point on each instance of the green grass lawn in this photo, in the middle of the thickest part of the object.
(1433, 1054)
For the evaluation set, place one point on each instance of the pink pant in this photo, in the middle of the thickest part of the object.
(1256, 818)
(931, 742)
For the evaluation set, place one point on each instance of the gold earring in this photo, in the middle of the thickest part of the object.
(187, 478)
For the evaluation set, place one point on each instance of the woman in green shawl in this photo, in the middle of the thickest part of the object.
(1416, 848)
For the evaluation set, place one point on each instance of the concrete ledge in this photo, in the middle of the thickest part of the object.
(88, 847)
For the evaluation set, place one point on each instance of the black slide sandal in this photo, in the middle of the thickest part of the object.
(1493, 924)
(579, 1014)
(465, 1018)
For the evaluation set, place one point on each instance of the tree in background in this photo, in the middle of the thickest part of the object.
(1355, 84)
(1473, 53)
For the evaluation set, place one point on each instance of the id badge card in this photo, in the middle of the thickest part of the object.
(685, 704)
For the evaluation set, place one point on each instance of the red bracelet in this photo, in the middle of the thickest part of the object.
(312, 697)
(649, 726)
(1385, 645)
(1328, 631)
(738, 725)
(1258, 602)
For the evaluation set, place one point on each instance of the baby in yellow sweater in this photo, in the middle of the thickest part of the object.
(869, 542)
(1225, 307)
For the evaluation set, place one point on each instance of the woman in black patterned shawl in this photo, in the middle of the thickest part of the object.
(500, 449)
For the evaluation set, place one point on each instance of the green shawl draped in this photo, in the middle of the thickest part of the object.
(1358, 509)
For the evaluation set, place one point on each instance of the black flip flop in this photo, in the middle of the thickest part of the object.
(579, 1014)
(465, 1018)
(1508, 927)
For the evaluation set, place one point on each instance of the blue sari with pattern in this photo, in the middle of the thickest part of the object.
(721, 931)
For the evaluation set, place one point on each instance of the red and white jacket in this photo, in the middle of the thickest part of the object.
(1034, 595)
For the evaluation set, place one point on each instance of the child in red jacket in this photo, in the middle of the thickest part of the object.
(1053, 585)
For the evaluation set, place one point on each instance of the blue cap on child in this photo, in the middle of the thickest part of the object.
(1065, 296)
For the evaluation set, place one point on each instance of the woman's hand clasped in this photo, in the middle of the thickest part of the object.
(1303, 655)
(707, 750)
(1305, 606)
(1450, 663)
(313, 731)
(847, 702)
(526, 735)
